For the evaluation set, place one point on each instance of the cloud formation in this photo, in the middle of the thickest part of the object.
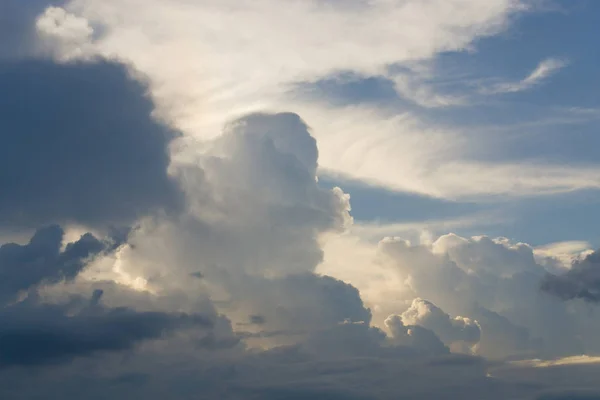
(79, 145)
(37, 332)
(41, 260)
(415, 336)
(231, 74)
(221, 287)
(48, 334)
(581, 281)
(450, 330)
(18, 34)
(489, 288)
(543, 71)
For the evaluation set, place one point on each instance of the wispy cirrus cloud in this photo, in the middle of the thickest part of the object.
(544, 70)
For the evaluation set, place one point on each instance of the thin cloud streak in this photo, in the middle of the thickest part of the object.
(544, 70)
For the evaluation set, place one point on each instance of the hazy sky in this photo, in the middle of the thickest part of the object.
(299, 199)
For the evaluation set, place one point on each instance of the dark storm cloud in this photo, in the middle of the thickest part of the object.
(41, 260)
(32, 334)
(582, 281)
(78, 144)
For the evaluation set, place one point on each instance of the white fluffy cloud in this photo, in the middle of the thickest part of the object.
(450, 330)
(490, 287)
(72, 33)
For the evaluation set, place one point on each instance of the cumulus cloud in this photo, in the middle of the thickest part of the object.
(450, 330)
(255, 209)
(18, 34)
(251, 231)
(41, 260)
(79, 145)
(72, 33)
(581, 281)
(492, 281)
(415, 336)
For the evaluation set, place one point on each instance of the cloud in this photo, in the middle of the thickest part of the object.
(558, 257)
(300, 303)
(369, 36)
(346, 340)
(377, 230)
(246, 214)
(581, 281)
(415, 336)
(42, 334)
(252, 228)
(255, 209)
(18, 35)
(417, 90)
(232, 74)
(73, 33)
(574, 360)
(542, 72)
(501, 337)
(79, 145)
(290, 371)
(281, 373)
(569, 378)
(450, 330)
(492, 281)
(36, 331)
(438, 160)
(42, 261)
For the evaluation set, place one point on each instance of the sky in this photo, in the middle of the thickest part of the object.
(292, 199)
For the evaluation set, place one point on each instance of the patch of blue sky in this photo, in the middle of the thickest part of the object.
(554, 120)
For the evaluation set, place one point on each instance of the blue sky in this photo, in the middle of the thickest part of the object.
(556, 121)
